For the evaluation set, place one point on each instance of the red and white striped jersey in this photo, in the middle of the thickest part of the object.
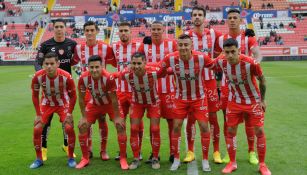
(241, 77)
(83, 52)
(245, 43)
(123, 53)
(99, 88)
(206, 43)
(155, 53)
(57, 91)
(144, 87)
(188, 74)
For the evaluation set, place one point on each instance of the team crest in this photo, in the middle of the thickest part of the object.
(61, 51)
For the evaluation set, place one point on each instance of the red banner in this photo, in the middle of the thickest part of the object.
(298, 7)
(60, 13)
(18, 56)
(283, 51)
(302, 50)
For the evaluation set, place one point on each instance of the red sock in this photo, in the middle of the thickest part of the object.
(231, 146)
(225, 127)
(37, 141)
(141, 133)
(176, 139)
(89, 138)
(215, 130)
(134, 140)
(71, 140)
(205, 143)
(83, 145)
(261, 147)
(250, 135)
(103, 129)
(156, 140)
(191, 131)
(170, 129)
(122, 141)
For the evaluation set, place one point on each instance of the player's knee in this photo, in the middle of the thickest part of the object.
(83, 128)
(134, 129)
(231, 131)
(69, 129)
(120, 129)
(259, 132)
(155, 129)
(38, 129)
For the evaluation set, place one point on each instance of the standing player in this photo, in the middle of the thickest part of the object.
(56, 85)
(204, 40)
(82, 53)
(248, 46)
(123, 51)
(142, 80)
(101, 86)
(155, 52)
(188, 66)
(244, 97)
(64, 48)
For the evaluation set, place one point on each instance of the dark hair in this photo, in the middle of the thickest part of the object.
(124, 23)
(59, 20)
(184, 36)
(230, 42)
(91, 23)
(94, 58)
(198, 8)
(138, 55)
(147, 40)
(50, 55)
(233, 11)
(249, 33)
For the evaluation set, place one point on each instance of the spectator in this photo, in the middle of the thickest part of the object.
(207, 7)
(261, 25)
(18, 1)
(305, 38)
(263, 6)
(4, 28)
(45, 10)
(85, 12)
(269, 25)
(3, 6)
(275, 26)
(13, 24)
(261, 18)
(292, 25)
(281, 25)
(31, 9)
(280, 41)
(250, 5)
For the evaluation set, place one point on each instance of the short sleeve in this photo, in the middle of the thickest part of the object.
(256, 69)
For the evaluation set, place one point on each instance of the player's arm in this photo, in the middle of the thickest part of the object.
(110, 58)
(71, 89)
(262, 87)
(35, 86)
(38, 60)
(256, 53)
(81, 94)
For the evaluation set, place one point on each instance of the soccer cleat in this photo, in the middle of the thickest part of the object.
(206, 166)
(175, 165)
(123, 164)
(117, 157)
(36, 164)
(104, 156)
(155, 164)
(190, 157)
(217, 157)
(83, 163)
(44, 153)
(149, 161)
(230, 167)
(134, 164)
(71, 163)
(263, 169)
(226, 159)
(253, 158)
(65, 149)
(171, 158)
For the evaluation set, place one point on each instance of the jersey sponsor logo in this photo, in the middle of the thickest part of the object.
(65, 61)
(53, 49)
(61, 51)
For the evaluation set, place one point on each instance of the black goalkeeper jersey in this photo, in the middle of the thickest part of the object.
(64, 50)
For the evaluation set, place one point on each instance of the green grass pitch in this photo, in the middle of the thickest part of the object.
(285, 128)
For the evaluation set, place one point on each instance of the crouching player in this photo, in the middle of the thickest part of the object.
(103, 100)
(56, 84)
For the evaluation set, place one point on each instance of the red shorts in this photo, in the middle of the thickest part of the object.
(212, 95)
(235, 114)
(94, 112)
(124, 99)
(167, 104)
(197, 108)
(47, 111)
(138, 110)
(224, 97)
